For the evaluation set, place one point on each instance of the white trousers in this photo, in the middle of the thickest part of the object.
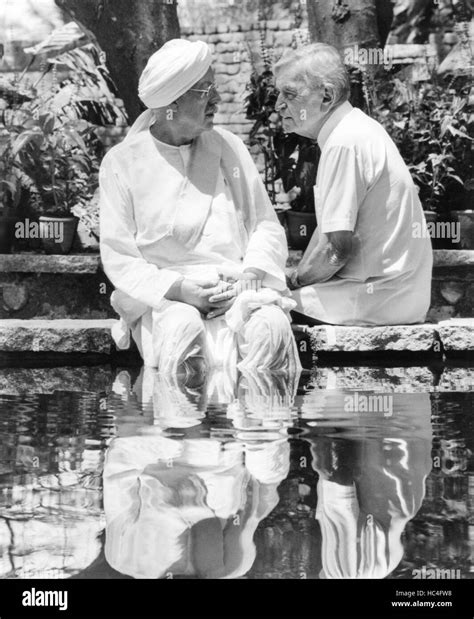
(176, 332)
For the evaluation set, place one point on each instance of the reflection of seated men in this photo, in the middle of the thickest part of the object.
(367, 492)
(251, 399)
(189, 507)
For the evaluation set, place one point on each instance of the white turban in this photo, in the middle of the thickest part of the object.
(172, 70)
(169, 73)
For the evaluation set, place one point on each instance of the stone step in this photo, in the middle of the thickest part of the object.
(58, 336)
(93, 336)
(74, 286)
(54, 287)
(449, 337)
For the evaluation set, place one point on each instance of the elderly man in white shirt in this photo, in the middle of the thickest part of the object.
(364, 265)
(189, 237)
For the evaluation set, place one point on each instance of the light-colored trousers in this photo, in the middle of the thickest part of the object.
(177, 332)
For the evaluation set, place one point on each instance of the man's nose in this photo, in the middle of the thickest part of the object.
(215, 96)
(279, 103)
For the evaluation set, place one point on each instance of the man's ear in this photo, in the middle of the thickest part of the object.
(328, 99)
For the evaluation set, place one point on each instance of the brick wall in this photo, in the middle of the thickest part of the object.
(236, 51)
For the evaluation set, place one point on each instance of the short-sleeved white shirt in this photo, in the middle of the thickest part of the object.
(363, 185)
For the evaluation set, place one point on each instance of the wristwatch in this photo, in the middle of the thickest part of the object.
(294, 280)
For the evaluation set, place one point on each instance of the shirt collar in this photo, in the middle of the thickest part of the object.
(332, 121)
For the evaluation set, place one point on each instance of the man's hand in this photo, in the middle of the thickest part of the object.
(250, 279)
(199, 294)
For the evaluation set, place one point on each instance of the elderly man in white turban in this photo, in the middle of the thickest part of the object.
(189, 237)
(367, 263)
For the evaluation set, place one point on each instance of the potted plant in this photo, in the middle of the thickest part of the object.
(56, 153)
(14, 184)
(8, 195)
(429, 122)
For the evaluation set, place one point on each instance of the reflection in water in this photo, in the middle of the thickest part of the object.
(50, 487)
(228, 477)
(190, 506)
(371, 480)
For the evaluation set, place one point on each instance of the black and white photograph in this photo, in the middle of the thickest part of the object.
(236, 308)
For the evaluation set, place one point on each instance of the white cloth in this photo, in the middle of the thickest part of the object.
(173, 70)
(364, 186)
(169, 73)
(170, 211)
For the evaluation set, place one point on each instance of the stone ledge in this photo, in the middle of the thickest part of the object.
(93, 336)
(441, 257)
(453, 258)
(78, 264)
(26, 381)
(62, 336)
(457, 334)
(404, 338)
(392, 379)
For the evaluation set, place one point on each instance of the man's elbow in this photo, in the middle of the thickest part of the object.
(339, 249)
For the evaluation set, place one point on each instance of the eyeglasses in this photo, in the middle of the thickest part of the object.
(207, 92)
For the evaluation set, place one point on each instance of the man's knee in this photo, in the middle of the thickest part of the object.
(269, 318)
(181, 317)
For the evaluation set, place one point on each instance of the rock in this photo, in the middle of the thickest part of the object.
(416, 338)
(451, 291)
(451, 38)
(285, 24)
(373, 378)
(457, 334)
(39, 263)
(65, 336)
(15, 296)
(22, 381)
(441, 312)
(456, 379)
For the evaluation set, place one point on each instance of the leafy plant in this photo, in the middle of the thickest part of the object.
(430, 124)
(48, 146)
(58, 155)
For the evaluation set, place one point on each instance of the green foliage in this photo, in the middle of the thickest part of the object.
(49, 151)
(431, 125)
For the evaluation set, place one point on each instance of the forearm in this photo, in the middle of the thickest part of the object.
(320, 265)
(175, 291)
(323, 259)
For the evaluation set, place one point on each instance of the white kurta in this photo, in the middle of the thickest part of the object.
(195, 211)
(364, 186)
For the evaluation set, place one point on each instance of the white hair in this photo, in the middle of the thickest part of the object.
(319, 66)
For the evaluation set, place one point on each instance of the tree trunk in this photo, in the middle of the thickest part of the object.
(345, 24)
(360, 25)
(128, 31)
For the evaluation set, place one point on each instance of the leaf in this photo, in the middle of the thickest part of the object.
(455, 131)
(26, 138)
